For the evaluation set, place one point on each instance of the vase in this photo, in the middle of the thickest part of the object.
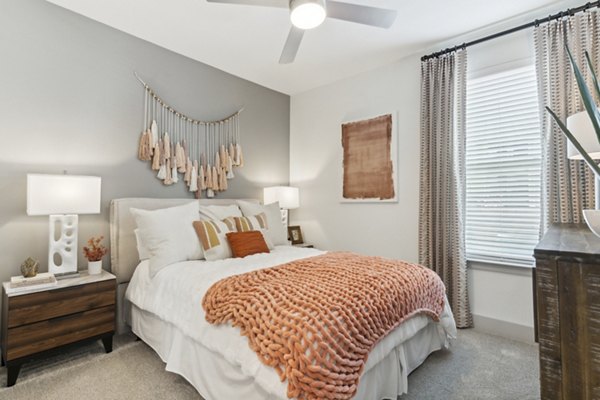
(592, 219)
(95, 267)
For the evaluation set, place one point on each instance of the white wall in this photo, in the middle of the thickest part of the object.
(501, 298)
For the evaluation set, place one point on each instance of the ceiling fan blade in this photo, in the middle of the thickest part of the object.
(263, 3)
(290, 49)
(366, 15)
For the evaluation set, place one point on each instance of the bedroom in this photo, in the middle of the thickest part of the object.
(72, 103)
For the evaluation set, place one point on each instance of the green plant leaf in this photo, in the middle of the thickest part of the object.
(594, 78)
(595, 168)
(586, 96)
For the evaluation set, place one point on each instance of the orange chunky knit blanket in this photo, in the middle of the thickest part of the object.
(316, 319)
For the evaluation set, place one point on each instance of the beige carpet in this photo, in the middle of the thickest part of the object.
(477, 366)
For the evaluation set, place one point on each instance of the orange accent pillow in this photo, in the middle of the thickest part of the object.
(247, 243)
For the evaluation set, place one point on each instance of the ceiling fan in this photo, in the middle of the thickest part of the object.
(308, 14)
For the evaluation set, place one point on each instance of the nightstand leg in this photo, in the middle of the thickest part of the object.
(2, 363)
(12, 374)
(107, 341)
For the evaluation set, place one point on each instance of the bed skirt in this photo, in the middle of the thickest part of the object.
(216, 379)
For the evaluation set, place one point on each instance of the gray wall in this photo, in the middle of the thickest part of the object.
(69, 101)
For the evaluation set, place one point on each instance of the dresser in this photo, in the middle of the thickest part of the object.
(567, 293)
(38, 321)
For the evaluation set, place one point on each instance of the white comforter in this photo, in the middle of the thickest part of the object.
(175, 295)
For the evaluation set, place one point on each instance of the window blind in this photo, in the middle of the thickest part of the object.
(503, 167)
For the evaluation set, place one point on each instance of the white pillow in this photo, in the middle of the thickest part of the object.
(168, 234)
(143, 252)
(277, 231)
(219, 212)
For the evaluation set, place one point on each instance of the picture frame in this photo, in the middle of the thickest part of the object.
(295, 234)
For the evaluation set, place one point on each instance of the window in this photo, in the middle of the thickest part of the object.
(503, 167)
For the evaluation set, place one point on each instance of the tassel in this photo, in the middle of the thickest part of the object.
(223, 156)
(210, 193)
(162, 172)
(143, 153)
(186, 153)
(179, 158)
(224, 185)
(230, 174)
(161, 146)
(188, 172)
(215, 179)
(209, 181)
(149, 147)
(199, 191)
(201, 178)
(240, 155)
(167, 144)
(217, 160)
(174, 176)
(231, 152)
(194, 178)
(168, 178)
(156, 159)
(154, 130)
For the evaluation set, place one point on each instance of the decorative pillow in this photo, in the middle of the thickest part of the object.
(211, 235)
(253, 223)
(168, 234)
(247, 243)
(143, 252)
(219, 212)
(276, 231)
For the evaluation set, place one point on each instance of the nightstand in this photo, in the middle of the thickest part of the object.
(37, 321)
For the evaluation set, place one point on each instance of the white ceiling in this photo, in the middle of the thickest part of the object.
(246, 41)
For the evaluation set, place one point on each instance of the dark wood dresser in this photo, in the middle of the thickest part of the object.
(567, 292)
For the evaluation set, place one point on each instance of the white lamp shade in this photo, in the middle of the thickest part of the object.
(581, 127)
(287, 196)
(62, 194)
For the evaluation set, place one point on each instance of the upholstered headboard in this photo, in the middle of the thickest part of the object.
(123, 254)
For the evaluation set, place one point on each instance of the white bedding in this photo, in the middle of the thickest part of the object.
(175, 295)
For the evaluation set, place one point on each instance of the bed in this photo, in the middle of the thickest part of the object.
(166, 313)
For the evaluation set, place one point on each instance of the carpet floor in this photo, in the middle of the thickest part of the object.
(477, 366)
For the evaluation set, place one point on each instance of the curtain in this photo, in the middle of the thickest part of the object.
(442, 177)
(567, 185)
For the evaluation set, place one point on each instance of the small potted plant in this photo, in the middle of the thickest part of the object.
(94, 252)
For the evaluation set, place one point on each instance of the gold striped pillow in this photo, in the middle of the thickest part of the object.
(253, 223)
(212, 237)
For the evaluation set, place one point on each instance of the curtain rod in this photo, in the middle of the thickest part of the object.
(562, 14)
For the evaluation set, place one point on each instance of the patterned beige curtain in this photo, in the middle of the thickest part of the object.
(442, 193)
(567, 186)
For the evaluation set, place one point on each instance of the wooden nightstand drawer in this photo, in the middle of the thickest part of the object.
(33, 338)
(30, 308)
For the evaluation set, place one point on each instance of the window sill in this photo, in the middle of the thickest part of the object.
(501, 268)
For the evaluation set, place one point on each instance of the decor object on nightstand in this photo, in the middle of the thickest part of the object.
(39, 320)
(29, 267)
(94, 254)
(287, 196)
(295, 235)
(583, 132)
(62, 197)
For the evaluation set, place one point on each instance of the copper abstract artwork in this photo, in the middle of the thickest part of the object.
(368, 165)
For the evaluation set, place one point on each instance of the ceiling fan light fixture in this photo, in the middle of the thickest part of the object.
(307, 14)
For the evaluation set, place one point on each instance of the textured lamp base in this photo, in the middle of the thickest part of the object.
(62, 253)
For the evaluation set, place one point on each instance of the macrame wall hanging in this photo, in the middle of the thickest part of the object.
(204, 153)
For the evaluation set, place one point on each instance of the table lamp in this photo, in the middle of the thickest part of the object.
(581, 127)
(63, 197)
(287, 196)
